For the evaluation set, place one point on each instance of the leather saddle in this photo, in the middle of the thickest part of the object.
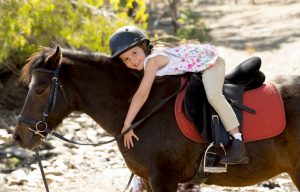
(245, 76)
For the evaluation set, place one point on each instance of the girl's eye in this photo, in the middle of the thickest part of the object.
(134, 53)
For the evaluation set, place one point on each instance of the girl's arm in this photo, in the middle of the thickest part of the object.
(142, 93)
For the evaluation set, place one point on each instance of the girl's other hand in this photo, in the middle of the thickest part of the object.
(128, 138)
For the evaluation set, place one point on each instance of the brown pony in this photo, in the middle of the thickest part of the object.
(102, 88)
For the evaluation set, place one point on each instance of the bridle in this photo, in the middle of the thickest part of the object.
(40, 127)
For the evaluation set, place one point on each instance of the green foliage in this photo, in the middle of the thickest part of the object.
(9, 164)
(27, 24)
(192, 27)
(194, 32)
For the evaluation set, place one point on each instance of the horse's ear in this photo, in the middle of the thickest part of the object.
(54, 60)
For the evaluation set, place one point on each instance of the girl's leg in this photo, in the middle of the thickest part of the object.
(213, 81)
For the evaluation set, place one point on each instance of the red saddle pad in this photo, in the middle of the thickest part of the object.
(268, 121)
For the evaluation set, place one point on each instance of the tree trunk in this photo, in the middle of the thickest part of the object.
(174, 13)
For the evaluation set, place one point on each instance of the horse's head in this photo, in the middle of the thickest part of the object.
(46, 102)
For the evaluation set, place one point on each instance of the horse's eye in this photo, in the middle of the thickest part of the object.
(39, 91)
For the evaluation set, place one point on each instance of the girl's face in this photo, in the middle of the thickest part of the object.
(134, 58)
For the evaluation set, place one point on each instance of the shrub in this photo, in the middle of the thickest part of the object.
(27, 24)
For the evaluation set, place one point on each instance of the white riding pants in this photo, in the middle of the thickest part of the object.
(213, 81)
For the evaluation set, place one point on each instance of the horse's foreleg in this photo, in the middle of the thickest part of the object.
(163, 182)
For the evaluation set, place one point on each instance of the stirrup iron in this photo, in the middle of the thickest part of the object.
(208, 155)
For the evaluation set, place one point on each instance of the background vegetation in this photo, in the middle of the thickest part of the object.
(26, 25)
(82, 24)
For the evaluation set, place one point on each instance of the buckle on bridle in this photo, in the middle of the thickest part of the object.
(37, 131)
(41, 122)
(55, 80)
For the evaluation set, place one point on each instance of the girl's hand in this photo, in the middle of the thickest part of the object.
(128, 141)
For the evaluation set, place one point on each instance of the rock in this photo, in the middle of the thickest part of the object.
(53, 178)
(45, 164)
(92, 135)
(18, 152)
(18, 177)
(60, 165)
(5, 137)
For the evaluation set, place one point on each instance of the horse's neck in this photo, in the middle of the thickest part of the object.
(103, 93)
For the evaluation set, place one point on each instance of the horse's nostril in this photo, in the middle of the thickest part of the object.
(16, 137)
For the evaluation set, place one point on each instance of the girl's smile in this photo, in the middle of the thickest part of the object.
(134, 58)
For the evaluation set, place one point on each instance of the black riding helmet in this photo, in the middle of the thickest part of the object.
(125, 38)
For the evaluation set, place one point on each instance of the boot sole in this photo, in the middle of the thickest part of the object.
(242, 162)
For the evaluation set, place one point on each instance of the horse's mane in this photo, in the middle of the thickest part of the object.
(40, 57)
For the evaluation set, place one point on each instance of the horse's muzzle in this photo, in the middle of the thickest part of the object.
(25, 138)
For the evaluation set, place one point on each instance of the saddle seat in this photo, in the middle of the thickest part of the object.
(247, 73)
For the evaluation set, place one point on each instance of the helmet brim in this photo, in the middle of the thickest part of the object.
(118, 53)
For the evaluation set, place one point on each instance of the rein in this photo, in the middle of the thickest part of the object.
(40, 127)
(38, 158)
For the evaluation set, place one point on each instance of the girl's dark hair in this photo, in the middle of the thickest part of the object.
(147, 47)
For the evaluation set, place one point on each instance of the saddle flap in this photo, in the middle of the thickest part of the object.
(199, 111)
(234, 93)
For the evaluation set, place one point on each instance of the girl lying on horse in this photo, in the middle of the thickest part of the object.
(129, 43)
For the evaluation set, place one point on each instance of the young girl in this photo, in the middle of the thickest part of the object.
(129, 43)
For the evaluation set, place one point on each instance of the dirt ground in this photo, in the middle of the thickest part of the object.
(270, 31)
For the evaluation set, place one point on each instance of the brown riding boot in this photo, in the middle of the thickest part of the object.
(237, 154)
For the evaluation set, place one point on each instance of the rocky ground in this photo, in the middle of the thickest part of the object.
(270, 31)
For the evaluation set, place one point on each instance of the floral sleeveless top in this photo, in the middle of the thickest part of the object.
(186, 58)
